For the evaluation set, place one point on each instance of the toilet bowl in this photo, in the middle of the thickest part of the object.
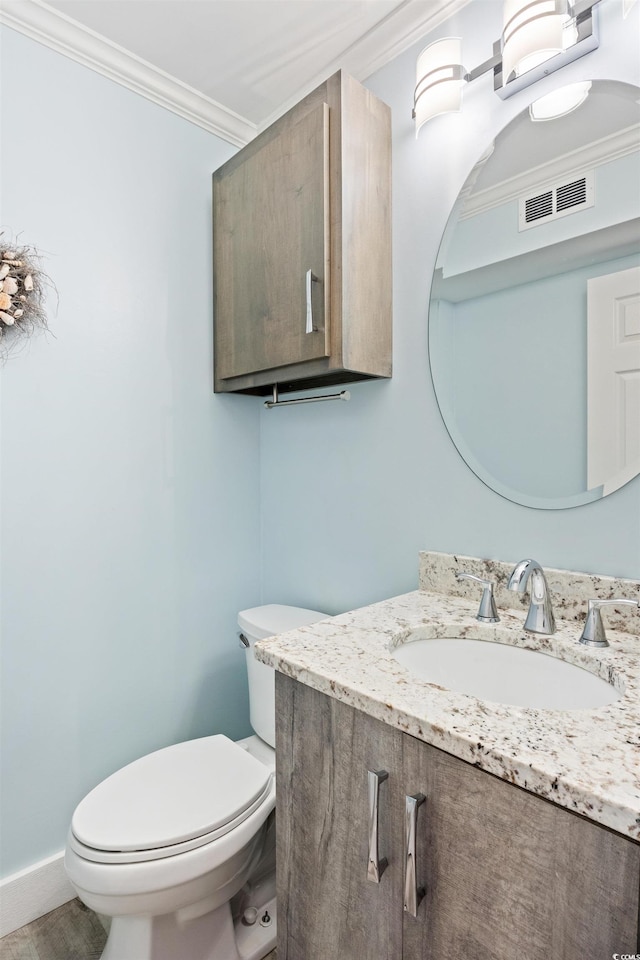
(169, 846)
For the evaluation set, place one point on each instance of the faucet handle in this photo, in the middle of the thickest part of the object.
(593, 634)
(487, 612)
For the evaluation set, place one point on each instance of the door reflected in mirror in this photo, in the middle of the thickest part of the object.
(534, 319)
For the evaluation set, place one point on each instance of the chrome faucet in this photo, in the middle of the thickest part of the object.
(540, 617)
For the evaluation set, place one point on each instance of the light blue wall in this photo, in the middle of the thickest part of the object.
(351, 492)
(133, 499)
(130, 499)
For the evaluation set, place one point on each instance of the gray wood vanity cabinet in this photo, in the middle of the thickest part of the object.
(507, 874)
(302, 247)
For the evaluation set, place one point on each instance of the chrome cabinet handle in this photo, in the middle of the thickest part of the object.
(310, 279)
(413, 894)
(375, 866)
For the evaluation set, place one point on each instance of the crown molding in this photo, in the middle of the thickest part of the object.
(404, 26)
(569, 165)
(387, 39)
(391, 36)
(42, 23)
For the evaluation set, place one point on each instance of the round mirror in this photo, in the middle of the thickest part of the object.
(534, 319)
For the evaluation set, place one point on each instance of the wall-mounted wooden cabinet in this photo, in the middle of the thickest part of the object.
(302, 247)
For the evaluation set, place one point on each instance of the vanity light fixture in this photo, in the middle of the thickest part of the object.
(538, 38)
(533, 31)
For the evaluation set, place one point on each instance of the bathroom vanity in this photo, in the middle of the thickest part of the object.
(527, 841)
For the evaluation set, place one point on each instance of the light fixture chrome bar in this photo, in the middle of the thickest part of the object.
(582, 13)
(275, 402)
(490, 64)
(581, 8)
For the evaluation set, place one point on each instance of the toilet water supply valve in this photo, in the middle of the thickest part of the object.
(250, 916)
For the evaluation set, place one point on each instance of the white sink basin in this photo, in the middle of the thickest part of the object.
(504, 674)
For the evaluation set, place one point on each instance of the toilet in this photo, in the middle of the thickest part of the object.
(178, 847)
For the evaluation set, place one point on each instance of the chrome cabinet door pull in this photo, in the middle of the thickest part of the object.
(413, 894)
(375, 866)
(310, 279)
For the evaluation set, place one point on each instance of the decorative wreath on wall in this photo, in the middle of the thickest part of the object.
(23, 287)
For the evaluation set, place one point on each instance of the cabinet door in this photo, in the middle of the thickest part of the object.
(271, 236)
(330, 909)
(511, 875)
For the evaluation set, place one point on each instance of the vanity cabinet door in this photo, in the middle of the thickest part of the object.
(509, 874)
(328, 909)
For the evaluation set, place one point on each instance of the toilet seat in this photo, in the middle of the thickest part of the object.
(171, 801)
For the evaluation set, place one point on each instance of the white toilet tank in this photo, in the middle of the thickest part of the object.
(256, 624)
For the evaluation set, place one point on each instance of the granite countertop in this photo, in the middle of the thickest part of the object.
(587, 761)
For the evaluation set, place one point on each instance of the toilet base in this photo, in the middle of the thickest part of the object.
(213, 936)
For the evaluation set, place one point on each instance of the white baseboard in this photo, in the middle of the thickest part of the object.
(30, 893)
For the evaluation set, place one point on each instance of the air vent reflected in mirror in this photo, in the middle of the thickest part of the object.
(556, 201)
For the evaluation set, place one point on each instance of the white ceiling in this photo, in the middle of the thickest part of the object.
(250, 58)
(246, 54)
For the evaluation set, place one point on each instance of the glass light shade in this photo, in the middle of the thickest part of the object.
(560, 102)
(439, 79)
(533, 32)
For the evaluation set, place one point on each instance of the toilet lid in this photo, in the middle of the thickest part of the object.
(174, 795)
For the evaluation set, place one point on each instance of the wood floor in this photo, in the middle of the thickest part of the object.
(72, 932)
